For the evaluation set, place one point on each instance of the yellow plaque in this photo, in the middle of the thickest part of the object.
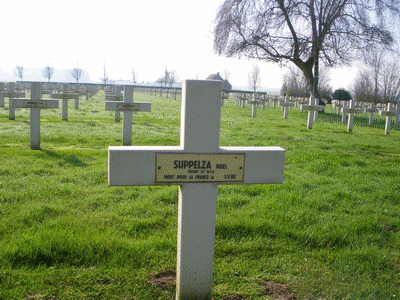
(128, 107)
(187, 167)
(35, 104)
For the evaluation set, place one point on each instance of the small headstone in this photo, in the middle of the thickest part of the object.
(35, 104)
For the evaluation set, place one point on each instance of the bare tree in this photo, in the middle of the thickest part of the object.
(362, 87)
(47, 72)
(226, 74)
(167, 75)
(76, 73)
(254, 77)
(172, 78)
(378, 80)
(19, 72)
(390, 81)
(134, 76)
(105, 76)
(294, 83)
(303, 31)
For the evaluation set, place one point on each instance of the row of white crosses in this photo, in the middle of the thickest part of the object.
(198, 165)
(128, 107)
(391, 111)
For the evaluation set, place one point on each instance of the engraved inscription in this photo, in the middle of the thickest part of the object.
(128, 107)
(181, 168)
(35, 104)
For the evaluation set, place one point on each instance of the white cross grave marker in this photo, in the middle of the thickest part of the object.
(128, 107)
(371, 109)
(65, 96)
(286, 104)
(35, 103)
(351, 110)
(344, 103)
(396, 118)
(198, 165)
(312, 107)
(389, 113)
(116, 97)
(12, 94)
(2, 93)
(254, 103)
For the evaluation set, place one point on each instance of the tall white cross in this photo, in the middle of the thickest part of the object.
(312, 108)
(371, 109)
(35, 103)
(128, 107)
(254, 103)
(198, 165)
(116, 97)
(65, 96)
(389, 113)
(286, 104)
(351, 110)
(11, 94)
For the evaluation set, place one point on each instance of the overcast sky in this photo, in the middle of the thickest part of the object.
(147, 35)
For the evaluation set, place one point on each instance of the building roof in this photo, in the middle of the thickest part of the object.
(215, 77)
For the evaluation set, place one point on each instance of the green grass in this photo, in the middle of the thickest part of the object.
(330, 231)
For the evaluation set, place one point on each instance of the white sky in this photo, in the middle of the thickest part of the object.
(147, 35)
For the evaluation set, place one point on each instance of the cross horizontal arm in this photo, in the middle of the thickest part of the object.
(118, 105)
(137, 165)
(28, 103)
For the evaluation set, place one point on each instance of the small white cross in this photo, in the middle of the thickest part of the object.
(35, 103)
(65, 96)
(351, 110)
(128, 107)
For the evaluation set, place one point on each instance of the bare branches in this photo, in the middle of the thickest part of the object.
(254, 77)
(303, 31)
(47, 72)
(19, 72)
(76, 73)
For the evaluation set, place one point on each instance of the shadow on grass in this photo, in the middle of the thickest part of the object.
(67, 159)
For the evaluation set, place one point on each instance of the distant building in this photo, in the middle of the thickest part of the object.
(226, 86)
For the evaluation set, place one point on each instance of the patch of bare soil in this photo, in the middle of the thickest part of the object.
(278, 290)
(164, 280)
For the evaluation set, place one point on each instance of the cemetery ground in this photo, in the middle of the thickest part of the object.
(330, 231)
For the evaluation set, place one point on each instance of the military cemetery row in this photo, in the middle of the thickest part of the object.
(66, 92)
(346, 108)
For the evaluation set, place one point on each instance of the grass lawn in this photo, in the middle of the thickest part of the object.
(330, 231)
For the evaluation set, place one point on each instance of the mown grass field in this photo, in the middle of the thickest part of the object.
(330, 231)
